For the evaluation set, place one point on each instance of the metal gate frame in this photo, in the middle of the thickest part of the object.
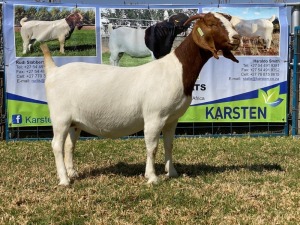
(295, 85)
(2, 86)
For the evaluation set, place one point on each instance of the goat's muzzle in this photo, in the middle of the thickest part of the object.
(79, 25)
(236, 41)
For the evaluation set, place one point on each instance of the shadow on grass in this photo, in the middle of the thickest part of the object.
(194, 170)
(80, 47)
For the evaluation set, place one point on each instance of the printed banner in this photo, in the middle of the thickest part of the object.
(253, 90)
(25, 25)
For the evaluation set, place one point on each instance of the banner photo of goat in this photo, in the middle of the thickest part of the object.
(65, 29)
(137, 41)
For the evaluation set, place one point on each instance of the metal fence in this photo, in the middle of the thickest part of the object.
(295, 81)
(183, 129)
(2, 91)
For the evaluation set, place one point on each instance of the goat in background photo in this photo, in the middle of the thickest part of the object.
(255, 28)
(157, 40)
(40, 31)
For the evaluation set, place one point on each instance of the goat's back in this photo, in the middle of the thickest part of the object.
(253, 28)
(41, 30)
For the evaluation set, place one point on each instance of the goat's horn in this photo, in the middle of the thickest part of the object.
(197, 16)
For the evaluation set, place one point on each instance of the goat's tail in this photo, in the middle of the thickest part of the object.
(23, 20)
(48, 61)
(110, 28)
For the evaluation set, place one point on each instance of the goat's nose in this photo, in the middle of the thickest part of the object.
(237, 37)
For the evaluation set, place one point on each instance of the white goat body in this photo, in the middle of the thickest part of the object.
(128, 40)
(112, 101)
(262, 28)
(36, 30)
(120, 109)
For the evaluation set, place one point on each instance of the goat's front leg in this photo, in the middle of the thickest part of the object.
(62, 45)
(58, 148)
(168, 136)
(69, 149)
(151, 132)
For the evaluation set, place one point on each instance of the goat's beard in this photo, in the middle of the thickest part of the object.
(228, 54)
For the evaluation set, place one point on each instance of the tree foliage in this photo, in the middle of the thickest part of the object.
(143, 17)
(52, 13)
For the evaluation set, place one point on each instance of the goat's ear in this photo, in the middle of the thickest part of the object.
(202, 37)
(227, 16)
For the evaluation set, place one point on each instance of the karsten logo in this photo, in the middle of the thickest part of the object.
(16, 119)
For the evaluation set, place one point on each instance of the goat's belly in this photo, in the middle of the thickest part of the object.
(111, 128)
(139, 53)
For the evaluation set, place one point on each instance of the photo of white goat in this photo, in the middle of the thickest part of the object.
(126, 40)
(156, 40)
(40, 31)
(256, 28)
(150, 97)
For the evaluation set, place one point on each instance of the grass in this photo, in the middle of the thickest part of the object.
(127, 60)
(81, 43)
(222, 181)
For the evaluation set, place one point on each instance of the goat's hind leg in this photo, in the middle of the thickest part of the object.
(60, 134)
(69, 147)
(168, 136)
(115, 58)
(152, 132)
(25, 46)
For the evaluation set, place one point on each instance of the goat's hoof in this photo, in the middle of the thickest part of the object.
(153, 180)
(72, 174)
(64, 183)
(172, 174)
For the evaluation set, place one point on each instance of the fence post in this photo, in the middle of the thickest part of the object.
(295, 105)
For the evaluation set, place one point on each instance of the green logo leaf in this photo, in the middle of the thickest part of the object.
(271, 96)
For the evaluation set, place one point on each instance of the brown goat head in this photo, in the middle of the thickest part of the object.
(75, 20)
(213, 32)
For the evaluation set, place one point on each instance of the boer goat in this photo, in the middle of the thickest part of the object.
(256, 28)
(157, 39)
(35, 30)
(151, 97)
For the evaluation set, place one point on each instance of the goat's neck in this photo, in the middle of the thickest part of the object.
(192, 59)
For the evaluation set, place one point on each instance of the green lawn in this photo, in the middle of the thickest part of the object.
(222, 181)
(127, 60)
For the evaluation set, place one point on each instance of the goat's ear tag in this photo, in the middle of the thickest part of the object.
(200, 31)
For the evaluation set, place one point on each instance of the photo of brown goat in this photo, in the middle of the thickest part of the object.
(37, 30)
(68, 31)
